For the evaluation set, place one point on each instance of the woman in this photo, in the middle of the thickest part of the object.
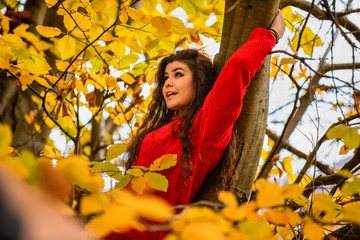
(190, 117)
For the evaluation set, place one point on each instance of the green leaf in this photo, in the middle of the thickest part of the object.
(350, 135)
(115, 150)
(97, 64)
(127, 60)
(141, 167)
(164, 162)
(110, 169)
(157, 181)
(345, 173)
(351, 188)
(123, 181)
(28, 159)
(135, 172)
(287, 61)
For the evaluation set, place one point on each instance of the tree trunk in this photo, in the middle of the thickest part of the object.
(15, 103)
(240, 18)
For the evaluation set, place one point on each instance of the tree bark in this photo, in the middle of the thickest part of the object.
(15, 103)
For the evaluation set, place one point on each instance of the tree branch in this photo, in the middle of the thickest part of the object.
(323, 15)
(324, 168)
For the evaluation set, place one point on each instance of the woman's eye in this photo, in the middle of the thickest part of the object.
(178, 74)
(166, 77)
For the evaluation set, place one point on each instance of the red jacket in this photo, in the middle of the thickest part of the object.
(212, 127)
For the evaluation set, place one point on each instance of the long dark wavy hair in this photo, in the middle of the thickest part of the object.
(204, 76)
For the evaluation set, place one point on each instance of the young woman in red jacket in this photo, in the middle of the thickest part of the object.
(192, 115)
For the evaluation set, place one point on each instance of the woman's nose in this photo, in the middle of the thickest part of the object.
(168, 82)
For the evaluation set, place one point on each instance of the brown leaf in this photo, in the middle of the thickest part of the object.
(65, 110)
(91, 98)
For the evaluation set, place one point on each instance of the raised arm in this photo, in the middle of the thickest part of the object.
(223, 104)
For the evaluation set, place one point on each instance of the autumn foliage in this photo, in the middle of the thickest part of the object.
(97, 62)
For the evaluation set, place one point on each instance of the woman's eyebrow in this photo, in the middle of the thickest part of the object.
(179, 68)
(174, 70)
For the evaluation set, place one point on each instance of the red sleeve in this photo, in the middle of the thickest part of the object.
(223, 104)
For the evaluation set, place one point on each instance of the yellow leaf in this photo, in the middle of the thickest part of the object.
(264, 154)
(123, 17)
(161, 23)
(164, 162)
(167, 44)
(6, 138)
(98, 5)
(66, 47)
(82, 21)
(4, 63)
(136, 14)
(269, 194)
(150, 76)
(168, 6)
(119, 218)
(93, 203)
(351, 212)
(200, 215)
(111, 82)
(69, 22)
(77, 169)
(276, 217)
(312, 230)
(17, 167)
(292, 19)
(5, 23)
(12, 41)
(291, 191)
(133, 45)
(202, 231)
(149, 5)
(61, 65)
(79, 34)
(48, 31)
(50, 3)
(26, 79)
(152, 208)
(228, 198)
(138, 184)
(156, 181)
(324, 207)
(308, 41)
(42, 82)
(177, 26)
(127, 78)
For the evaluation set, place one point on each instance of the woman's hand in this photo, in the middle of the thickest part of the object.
(279, 24)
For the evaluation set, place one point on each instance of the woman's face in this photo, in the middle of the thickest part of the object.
(178, 89)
